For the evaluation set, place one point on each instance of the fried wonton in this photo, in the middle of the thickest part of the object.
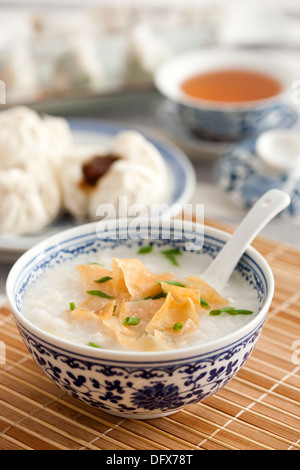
(156, 341)
(106, 311)
(95, 277)
(182, 293)
(94, 303)
(91, 273)
(171, 313)
(212, 297)
(139, 281)
(142, 309)
(115, 326)
(136, 338)
(147, 342)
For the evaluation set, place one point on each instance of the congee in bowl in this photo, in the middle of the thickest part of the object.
(126, 324)
(147, 300)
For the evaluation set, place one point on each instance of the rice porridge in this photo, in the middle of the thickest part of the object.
(124, 299)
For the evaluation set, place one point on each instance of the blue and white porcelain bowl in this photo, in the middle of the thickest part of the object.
(138, 385)
(245, 176)
(226, 122)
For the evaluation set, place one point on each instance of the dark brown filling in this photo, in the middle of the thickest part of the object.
(95, 168)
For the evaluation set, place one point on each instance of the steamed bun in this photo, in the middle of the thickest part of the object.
(31, 151)
(74, 198)
(59, 140)
(125, 179)
(30, 199)
(26, 137)
(134, 147)
(43, 173)
(22, 138)
(139, 173)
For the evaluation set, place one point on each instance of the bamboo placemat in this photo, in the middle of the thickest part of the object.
(258, 409)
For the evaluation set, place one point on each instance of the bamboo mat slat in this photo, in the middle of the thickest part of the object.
(258, 409)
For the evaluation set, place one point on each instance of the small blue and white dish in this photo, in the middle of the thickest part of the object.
(130, 384)
(219, 121)
(271, 161)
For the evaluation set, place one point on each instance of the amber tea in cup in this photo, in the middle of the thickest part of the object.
(231, 86)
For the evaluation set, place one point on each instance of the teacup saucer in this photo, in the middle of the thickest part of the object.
(244, 175)
(168, 117)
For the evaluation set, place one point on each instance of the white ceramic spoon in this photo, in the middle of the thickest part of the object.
(267, 207)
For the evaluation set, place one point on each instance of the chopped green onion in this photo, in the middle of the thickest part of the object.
(173, 260)
(214, 313)
(131, 321)
(94, 345)
(145, 249)
(177, 326)
(99, 293)
(242, 312)
(227, 309)
(172, 251)
(204, 303)
(161, 295)
(170, 255)
(230, 311)
(115, 308)
(98, 264)
(103, 279)
(72, 306)
(172, 283)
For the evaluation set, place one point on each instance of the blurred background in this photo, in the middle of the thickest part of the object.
(97, 47)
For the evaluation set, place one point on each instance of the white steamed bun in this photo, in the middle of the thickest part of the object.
(26, 137)
(31, 151)
(30, 199)
(139, 174)
(132, 146)
(22, 137)
(59, 140)
(75, 199)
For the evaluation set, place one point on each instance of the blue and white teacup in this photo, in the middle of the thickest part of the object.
(225, 121)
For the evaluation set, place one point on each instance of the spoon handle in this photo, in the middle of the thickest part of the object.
(267, 207)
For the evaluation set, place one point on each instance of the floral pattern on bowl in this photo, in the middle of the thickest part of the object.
(242, 175)
(140, 390)
(220, 125)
